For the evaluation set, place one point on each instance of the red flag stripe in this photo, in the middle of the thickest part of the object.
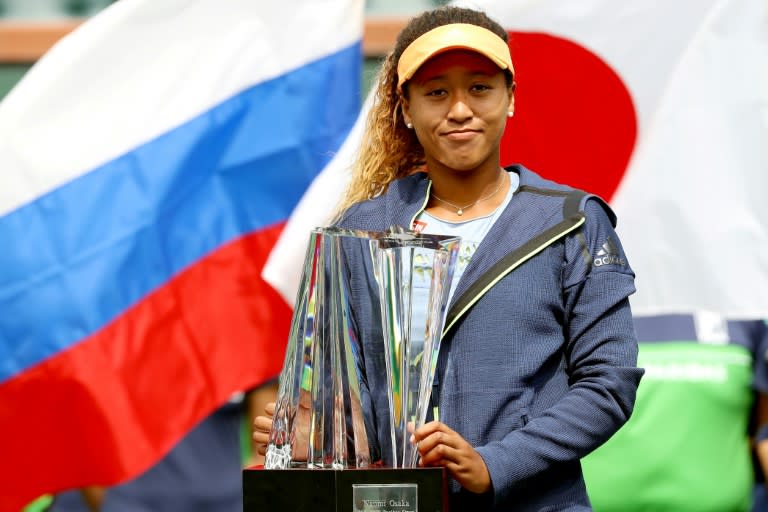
(148, 377)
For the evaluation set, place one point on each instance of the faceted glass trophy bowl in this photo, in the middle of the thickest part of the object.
(319, 419)
(414, 274)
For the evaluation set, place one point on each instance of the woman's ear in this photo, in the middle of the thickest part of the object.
(511, 109)
(406, 114)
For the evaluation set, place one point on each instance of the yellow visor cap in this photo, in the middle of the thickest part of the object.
(456, 36)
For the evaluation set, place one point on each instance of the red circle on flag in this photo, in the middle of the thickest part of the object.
(574, 121)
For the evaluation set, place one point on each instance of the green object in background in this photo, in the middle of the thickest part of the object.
(371, 66)
(41, 504)
(685, 448)
(10, 74)
(246, 439)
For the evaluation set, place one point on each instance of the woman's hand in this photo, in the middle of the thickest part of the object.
(438, 445)
(261, 428)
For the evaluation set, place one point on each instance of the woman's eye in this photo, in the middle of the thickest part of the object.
(436, 92)
(480, 87)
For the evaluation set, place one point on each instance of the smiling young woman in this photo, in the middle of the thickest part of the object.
(458, 104)
(537, 365)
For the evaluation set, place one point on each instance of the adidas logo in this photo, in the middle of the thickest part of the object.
(609, 255)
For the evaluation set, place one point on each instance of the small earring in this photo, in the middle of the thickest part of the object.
(510, 113)
(409, 126)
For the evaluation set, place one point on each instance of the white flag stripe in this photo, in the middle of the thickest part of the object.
(692, 212)
(130, 65)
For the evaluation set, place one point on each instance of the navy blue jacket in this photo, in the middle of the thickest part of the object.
(537, 365)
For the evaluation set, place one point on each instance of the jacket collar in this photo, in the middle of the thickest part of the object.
(406, 198)
(519, 222)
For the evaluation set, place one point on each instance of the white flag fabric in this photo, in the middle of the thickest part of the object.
(689, 199)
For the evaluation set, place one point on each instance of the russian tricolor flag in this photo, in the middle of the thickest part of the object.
(147, 165)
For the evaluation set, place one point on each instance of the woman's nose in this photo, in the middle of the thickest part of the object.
(460, 110)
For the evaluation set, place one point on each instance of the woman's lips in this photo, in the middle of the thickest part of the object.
(460, 135)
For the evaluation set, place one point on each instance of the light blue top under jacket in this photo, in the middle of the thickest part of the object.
(538, 360)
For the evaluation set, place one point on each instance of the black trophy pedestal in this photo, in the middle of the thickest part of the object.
(349, 490)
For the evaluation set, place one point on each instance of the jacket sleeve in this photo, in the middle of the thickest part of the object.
(600, 356)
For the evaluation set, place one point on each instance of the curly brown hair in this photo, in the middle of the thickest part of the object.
(389, 150)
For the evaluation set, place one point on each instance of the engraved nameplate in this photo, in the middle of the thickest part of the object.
(385, 497)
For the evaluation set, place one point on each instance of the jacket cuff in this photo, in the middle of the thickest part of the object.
(501, 470)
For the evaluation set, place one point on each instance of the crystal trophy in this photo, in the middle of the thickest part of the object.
(319, 420)
(413, 275)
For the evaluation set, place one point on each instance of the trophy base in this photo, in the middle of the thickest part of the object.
(348, 490)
